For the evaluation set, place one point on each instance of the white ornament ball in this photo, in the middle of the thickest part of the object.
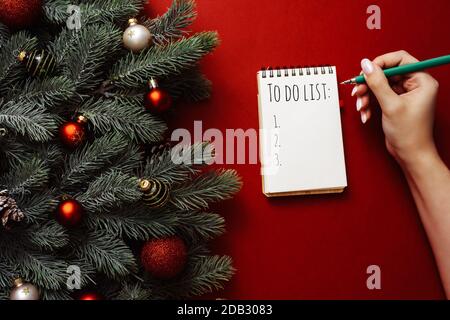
(24, 291)
(137, 37)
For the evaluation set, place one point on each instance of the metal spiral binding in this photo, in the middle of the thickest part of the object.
(278, 72)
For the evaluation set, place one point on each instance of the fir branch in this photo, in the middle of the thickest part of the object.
(162, 61)
(188, 158)
(47, 237)
(133, 291)
(6, 274)
(101, 175)
(134, 225)
(201, 225)
(93, 11)
(97, 11)
(139, 223)
(107, 254)
(17, 151)
(29, 120)
(91, 159)
(198, 250)
(210, 187)
(61, 45)
(208, 274)
(4, 34)
(109, 191)
(190, 85)
(41, 269)
(58, 295)
(124, 115)
(12, 152)
(4, 292)
(170, 25)
(26, 177)
(11, 71)
(55, 11)
(53, 155)
(88, 56)
(36, 208)
(130, 161)
(48, 92)
(203, 275)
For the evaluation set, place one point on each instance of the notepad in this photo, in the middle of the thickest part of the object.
(301, 145)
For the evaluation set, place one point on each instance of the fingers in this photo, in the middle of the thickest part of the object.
(425, 80)
(386, 91)
(362, 102)
(365, 115)
(394, 59)
(359, 90)
(378, 84)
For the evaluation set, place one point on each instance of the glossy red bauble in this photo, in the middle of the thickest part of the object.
(148, 10)
(157, 100)
(90, 296)
(72, 133)
(164, 258)
(19, 14)
(69, 213)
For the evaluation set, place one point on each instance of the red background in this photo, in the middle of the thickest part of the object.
(318, 247)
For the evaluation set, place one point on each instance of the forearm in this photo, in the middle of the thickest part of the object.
(429, 180)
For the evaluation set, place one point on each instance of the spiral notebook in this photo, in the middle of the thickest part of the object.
(301, 146)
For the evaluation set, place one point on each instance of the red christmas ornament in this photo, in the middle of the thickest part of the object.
(19, 14)
(90, 296)
(73, 133)
(152, 9)
(69, 213)
(164, 258)
(148, 8)
(157, 100)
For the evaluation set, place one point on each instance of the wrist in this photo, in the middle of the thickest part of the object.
(421, 162)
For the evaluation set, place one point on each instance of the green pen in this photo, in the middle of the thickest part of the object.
(407, 68)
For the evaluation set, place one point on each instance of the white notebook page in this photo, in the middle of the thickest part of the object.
(301, 143)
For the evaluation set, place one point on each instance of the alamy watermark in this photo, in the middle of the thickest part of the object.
(74, 279)
(374, 19)
(373, 282)
(74, 20)
(231, 146)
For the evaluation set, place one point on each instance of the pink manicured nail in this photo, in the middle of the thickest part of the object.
(355, 89)
(363, 117)
(367, 66)
(358, 104)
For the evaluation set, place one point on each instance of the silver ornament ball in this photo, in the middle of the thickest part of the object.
(137, 37)
(24, 291)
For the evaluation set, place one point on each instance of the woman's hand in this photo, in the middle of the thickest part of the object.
(407, 103)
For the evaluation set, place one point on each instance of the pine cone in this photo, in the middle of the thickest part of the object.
(8, 209)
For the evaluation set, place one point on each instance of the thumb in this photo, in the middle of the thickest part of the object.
(378, 83)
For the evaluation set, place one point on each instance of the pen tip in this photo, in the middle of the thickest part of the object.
(350, 81)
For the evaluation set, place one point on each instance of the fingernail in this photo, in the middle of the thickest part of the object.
(358, 104)
(355, 89)
(363, 117)
(367, 66)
